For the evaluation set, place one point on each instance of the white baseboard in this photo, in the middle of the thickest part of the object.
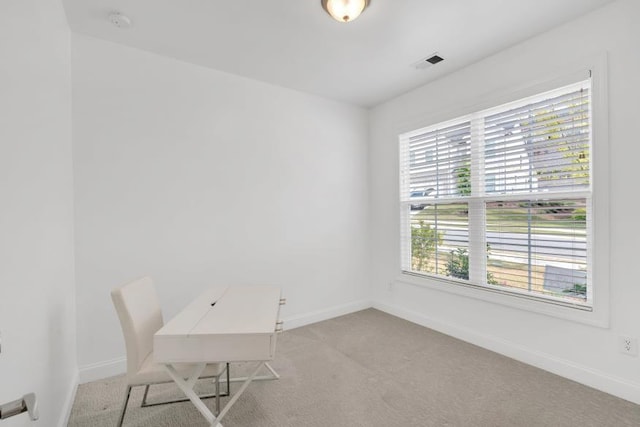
(109, 368)
(105, 369)
(68, 402)
(582, 374)
(325, 314)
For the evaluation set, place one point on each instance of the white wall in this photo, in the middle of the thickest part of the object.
(197, 177)
(585, 353)
(37, 300)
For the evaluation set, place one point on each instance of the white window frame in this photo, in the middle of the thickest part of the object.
(597, 314)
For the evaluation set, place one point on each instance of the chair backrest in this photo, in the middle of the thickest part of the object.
(140, 317)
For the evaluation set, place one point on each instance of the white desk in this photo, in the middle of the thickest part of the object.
(224, 324)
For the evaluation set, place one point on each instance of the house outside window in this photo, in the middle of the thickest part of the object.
(501, 199)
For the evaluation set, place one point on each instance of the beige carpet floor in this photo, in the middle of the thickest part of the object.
(371, 369)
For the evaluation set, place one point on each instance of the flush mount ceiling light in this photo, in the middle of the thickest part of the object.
(344, 10)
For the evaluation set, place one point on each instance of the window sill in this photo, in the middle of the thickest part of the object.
(575, 313)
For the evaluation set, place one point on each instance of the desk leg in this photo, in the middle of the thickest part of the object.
(187, 388)
(237, 394)
(276, 376)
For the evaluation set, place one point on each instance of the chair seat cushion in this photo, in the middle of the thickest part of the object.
(153, 372)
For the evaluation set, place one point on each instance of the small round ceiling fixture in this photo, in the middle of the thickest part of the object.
(119, 20)
(345, 10)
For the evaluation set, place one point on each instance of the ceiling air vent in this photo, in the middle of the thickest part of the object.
(428, 61)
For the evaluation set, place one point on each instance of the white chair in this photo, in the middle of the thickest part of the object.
(140, 318)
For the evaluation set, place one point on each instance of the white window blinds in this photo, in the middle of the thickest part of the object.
(541, 146)
(502, 198)
(436, 158)
(437, 166)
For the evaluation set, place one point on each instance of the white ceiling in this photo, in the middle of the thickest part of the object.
(295, 44)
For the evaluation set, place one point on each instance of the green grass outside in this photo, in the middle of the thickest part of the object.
(513, 219)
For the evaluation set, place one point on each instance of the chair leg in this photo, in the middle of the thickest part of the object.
(124, 406)
(218, 394)
(144, 398)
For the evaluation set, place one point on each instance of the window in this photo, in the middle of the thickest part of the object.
(502, 199)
